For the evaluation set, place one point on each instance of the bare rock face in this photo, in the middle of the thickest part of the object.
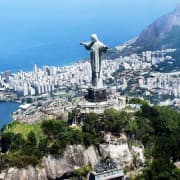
(74, 157)
(24, 174)
(119, 153)
(122, 155)
(91, 155)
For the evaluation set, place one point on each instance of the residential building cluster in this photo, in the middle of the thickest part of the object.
(163, 83)
(49, 78)
(77, 77)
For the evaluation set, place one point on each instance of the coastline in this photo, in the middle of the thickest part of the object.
(29, 69)
(6, 112)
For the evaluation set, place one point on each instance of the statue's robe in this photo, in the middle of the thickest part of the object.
(96, 48)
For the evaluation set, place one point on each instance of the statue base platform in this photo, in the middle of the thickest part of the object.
(96, 95)
(85, 107)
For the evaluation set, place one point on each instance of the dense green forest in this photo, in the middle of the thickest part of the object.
(157, 128)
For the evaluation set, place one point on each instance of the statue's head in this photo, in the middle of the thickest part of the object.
(94, 37)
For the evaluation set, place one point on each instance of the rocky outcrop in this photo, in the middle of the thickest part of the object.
(74, 157)
(160, 27)
(30, 173)
(122, 155)
(161, 34)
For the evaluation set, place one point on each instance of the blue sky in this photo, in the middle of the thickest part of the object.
(27, 25)
(24, 20)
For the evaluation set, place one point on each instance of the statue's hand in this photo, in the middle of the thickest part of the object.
(87, 45)
(105, 48)
(84, 43)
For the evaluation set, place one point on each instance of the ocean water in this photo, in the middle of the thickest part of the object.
(49, 32)
(6, 110)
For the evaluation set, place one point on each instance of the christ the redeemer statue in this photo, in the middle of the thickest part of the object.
(96, 48)
(96, 93)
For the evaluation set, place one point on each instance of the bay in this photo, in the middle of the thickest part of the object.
(6, 110)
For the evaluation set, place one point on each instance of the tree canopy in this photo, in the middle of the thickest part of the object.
(157, 128)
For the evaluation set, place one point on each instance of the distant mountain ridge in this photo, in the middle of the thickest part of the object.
(162, 34)
(160, 27)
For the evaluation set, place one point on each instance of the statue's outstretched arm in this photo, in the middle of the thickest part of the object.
(87, 45)
(105, 48)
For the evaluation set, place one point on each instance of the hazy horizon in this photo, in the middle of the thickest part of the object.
(49, 32)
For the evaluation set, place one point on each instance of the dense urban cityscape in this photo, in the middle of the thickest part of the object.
(49, 79)
(51, 92)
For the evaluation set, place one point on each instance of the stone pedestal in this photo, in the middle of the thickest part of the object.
(85, 106)
(96, 95)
